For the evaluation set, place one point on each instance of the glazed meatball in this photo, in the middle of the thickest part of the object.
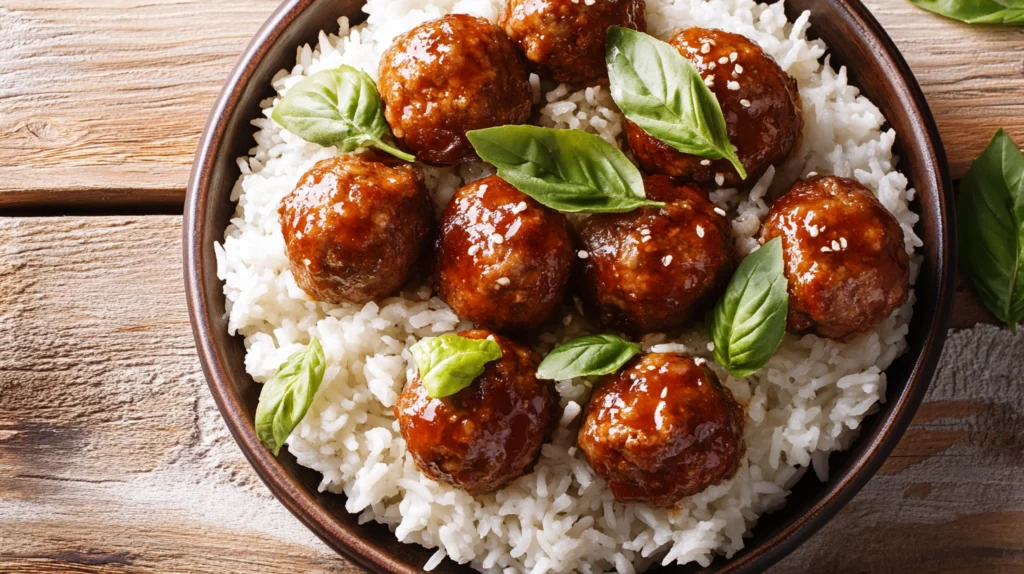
(566, 38)
(845, 258)
(661, 429)
(760, 102)
(446, 77)
(503, 260)
(356, 228)
(486, 435)
(653, 269)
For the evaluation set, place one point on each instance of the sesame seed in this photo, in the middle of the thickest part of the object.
(700, 231)
(733, 56)
(712, 66)
(513, 229)
(826, 249)
(645, 239)
(738, 69)
(711, 346)
(835, 245)
(723, 60)
(705, 162)
(504, 281)
(666, 260)
(745, 103)
(842, 241)
(720, 211)
(699, 361)
(705, 48)
(720, 179)
(497, 238)
(812, 174)
(813, 229)
(582, 254)
(733, 86)
(521, 207)
(645, 232)
(709, 81)
(473, 249)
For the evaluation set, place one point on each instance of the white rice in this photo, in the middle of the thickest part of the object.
(808, 401)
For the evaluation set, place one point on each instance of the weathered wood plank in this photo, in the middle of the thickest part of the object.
(114, 458)
(104, 101)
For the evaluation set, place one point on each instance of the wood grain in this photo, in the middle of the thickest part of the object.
(113, 457)
(103, 102)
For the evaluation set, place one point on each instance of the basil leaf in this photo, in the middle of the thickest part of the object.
(340, 108)
(660, 91)
(990, 214)
(286, 397)
(566, 170)
(587, 356)
(749, 321)
(976, 11)
(449, 363)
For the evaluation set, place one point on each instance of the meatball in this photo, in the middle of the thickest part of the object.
(661, 429)
(356, 228)
(652, 269)
(760, 103)
(566, 38)
(503, 260)
(486, 435)
(845, 258)
(446, 77)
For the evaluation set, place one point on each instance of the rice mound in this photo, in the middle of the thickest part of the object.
(807, 402)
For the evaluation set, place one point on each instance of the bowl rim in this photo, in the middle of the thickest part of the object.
(837, 492)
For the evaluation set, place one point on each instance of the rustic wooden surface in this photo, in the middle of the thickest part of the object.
(112, 455)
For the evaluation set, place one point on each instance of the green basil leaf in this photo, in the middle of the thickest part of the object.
(990, 214)
(660, 91)
(587, 356)
(566, 170)
(976, 11)
(286, 397)
(340, 108)
(749, 321)
(449, 363)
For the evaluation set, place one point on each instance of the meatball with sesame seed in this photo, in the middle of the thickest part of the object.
(652, 269)
(489, 433)
(356, 228)
(503, 261)
(661, 429)
(566, 38)
(760, 103)
(449, 76)
(845, 258)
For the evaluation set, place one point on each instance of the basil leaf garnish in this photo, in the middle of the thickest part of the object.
(587, 356)
(990, 214)
(749, 321)
(566, 170)
(286, 397)
(449, 363)
(660, 91)
(340, 108)
(976, 11)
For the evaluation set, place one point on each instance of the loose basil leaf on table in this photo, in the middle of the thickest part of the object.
(977, 11)
(567, 170)
(660, 91)
(340, 108)
(749, 321)
(449, 363)
(286, 397)
(587, 356)
(990, 214)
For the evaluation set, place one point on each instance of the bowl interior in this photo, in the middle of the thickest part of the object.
(853, 37)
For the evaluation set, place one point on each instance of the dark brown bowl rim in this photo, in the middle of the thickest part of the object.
(839, 491)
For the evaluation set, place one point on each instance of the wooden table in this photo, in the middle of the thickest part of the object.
(112, 454)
